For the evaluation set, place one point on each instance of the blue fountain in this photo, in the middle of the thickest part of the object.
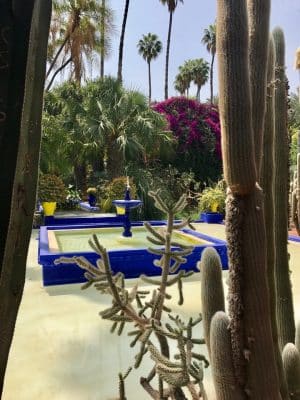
(127, 204)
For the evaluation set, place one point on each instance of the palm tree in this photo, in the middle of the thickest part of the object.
(149, 47)
(107, 29)
(179, 84)
(123, 124)
(185, 76)
(74, 36)
(209, 40)
(171, 4)
(121, 45)
(297, 67)
(200, 70)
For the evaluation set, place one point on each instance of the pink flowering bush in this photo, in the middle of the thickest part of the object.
(196, 127)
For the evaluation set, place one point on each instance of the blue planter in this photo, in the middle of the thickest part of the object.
(213, 217)
(92, 200)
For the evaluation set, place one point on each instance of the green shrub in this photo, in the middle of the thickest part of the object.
(213, 199)
(51, 188)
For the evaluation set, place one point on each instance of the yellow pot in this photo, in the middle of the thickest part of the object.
(120, 210)
(214, 207)
(49, 208)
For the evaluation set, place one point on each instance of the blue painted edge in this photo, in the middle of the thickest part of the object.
(85, 206)
(131, 263)
(294, 238)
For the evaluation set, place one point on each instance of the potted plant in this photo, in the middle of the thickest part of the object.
(92, 196)
(51, 190)
(212, 204)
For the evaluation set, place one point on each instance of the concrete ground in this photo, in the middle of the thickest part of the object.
(63, 350)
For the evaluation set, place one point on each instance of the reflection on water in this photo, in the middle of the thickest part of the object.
(112, 239)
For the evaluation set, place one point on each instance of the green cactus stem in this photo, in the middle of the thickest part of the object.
(284, 305)
(291, 365)
(212, 293)
(235, 103)
(249, 309)
(258, 17)
(225, 383)
(297, 337)
(267, 183)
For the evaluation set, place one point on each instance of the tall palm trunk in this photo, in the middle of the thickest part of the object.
(212, 78)
(102, 39)
(121, 46)
(115, 160)
(149, 78)
(22, 75)
(198, 92)
(80, 177)
(167, 55)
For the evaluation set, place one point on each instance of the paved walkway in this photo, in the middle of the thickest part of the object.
(62, 350)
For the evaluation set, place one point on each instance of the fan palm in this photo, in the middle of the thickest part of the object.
(185, 76)
(209, 40)
(74, 35)
(149, 47)
(123, 124)
(199, 70)
(171, 4)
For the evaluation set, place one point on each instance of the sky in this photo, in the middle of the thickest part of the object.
(190, 20)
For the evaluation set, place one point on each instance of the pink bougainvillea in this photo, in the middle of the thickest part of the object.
(193, 124)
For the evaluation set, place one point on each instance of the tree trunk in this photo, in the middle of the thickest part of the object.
(149, 78)
(75, 24)
(80, 177)
(21, 90)
(115, 160)
(198, 92)
(121, 46)
(212, 78)
(102, 40)
(168, 54)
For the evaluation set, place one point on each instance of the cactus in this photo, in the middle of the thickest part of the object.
(252, 344)
(297, 337)
(258, 19)
(284, 305)
(291, 365)
(221, 359)
(212, 293)
(21, 91)
(267, 183)
(297, 193)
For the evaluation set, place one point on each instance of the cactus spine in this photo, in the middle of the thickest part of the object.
(291, 365)
(252, 344)
(212, 293)
(221, 359)
(25, 26)
(284, 304)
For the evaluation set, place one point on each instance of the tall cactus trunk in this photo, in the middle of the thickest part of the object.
(267, 183)
(285, 310)
(249, 308)
(20, 133)
(258, 17)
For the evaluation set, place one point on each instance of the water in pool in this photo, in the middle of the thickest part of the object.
(112, 239)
